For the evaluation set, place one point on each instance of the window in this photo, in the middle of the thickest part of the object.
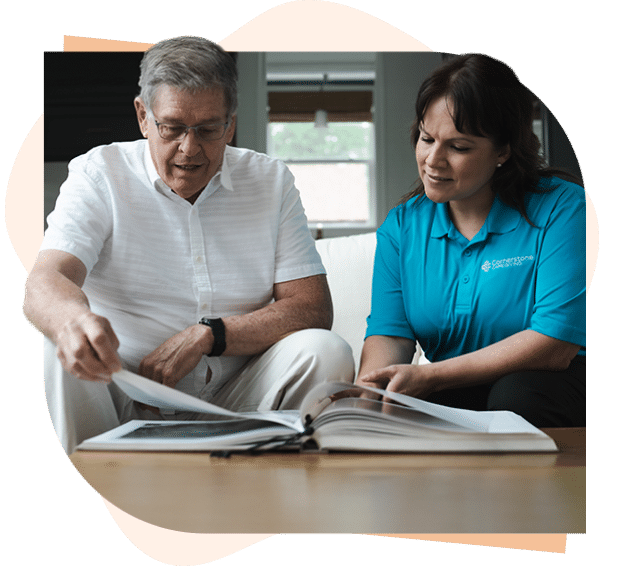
(333, 167)
(332, 157)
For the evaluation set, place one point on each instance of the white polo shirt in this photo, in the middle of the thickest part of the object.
(156, 264)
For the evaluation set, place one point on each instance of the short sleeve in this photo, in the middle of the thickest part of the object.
(560, 306)
(296, 256)
(82, 218)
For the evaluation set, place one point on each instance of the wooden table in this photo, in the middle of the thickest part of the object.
(352, 493)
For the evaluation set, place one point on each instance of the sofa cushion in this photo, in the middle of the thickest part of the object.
(349, 264)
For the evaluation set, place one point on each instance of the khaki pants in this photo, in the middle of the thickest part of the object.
(277, 379)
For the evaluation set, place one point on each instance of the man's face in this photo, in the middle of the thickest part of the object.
(188, 164)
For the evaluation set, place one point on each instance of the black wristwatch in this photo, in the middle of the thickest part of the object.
(218, 331)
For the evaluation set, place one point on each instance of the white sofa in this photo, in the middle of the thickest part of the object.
(349, 264)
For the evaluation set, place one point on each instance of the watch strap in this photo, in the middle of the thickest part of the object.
(218, 331)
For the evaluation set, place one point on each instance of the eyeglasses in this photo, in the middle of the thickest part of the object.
(204, 132)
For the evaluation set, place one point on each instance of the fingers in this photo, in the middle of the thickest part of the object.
(391, 378)
(144, 407)
(158, 370)
(394, 378)
(88, 349)
(379, 378)
(370, 395)
(174, 359)
(366, 381)
(354, 392)
(104, 343)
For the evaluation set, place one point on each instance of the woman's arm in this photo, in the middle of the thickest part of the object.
(524, 351)
(381, 352)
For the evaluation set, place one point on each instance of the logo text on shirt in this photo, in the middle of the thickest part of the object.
(501, 263)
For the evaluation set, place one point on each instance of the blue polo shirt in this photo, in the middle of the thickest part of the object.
(456, 296)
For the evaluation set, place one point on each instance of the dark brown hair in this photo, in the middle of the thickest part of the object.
(488, 100)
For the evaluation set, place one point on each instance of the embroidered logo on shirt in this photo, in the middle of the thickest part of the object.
(511, 262)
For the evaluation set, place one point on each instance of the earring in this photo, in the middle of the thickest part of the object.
(499, 165)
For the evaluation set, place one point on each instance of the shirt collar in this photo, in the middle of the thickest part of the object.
(226, 178)
(221, 177)
(442, 225)
(501, 219)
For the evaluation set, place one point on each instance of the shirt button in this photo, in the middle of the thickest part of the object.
(204, 306)
(467, 253)
(199, 259)
(465, 279)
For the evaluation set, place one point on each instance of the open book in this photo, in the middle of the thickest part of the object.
(324, 422)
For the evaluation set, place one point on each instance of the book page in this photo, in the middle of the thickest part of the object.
(161, 396)
(492, 422)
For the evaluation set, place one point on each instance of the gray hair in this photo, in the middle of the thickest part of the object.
(188, 63)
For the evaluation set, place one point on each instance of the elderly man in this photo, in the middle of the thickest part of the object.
(183, 259)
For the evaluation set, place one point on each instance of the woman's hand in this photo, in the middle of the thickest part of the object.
(413, 380)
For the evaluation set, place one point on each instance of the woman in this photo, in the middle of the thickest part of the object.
(484, 263)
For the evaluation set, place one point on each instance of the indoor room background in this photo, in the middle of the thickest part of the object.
(340, 120)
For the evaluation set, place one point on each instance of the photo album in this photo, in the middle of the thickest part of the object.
(332, 418)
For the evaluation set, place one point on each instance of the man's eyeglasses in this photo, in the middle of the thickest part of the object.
(204, 132)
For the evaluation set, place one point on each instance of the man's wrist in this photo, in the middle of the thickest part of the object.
(206, 338)
(217, 328)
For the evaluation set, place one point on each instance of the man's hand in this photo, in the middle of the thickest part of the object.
(87, 348)
(55, 303)
(177, 356)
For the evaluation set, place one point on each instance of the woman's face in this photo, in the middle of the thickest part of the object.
(455, 167)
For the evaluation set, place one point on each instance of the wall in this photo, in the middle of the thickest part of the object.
(398, 77)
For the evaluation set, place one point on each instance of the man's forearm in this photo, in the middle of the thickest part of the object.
(51, 301)
(254, 333)
(298, 305)
(56, 305)
(301, 305)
